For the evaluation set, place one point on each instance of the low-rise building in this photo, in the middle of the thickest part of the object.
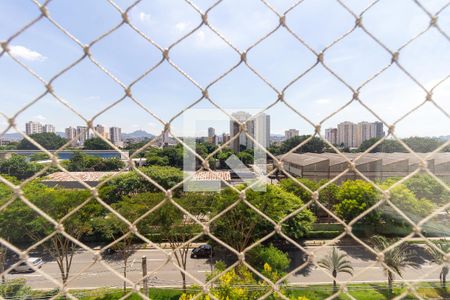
(72, 179)
(374, 166)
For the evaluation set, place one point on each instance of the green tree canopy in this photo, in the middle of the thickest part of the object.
(133, 147)
(222, 156)
(277, 259)
(327, 196)
(47, 140)
(315, 145)
(82, 162)
(240, 226)
(423, 144)
(292, 186)
(20, 224)
(19, 167)
(96, 143)
(417, 144)
(10, 146)
(39, 156)
(424, 186)
(245, 157)
(407, 202)
(353, 198)
(388, 146)
(167, 221)
(132, 183)
(167, 156)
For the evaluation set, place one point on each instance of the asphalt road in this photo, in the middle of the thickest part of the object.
(98, 276)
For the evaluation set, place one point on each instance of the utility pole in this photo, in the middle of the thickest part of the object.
(144, 275)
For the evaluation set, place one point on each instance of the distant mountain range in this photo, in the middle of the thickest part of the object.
(444, 137)
(137, 134)
(132, 135)
(11, 137)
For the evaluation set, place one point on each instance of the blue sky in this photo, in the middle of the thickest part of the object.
(204, 56)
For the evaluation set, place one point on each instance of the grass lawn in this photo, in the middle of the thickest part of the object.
(370, 292)
(316, 292)
(112, 294)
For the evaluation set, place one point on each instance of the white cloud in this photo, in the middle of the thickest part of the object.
(25, 53)
(181, 26)
(144, 17)
(207, 40)
(200, 36)
(40, 118)
(323, 101)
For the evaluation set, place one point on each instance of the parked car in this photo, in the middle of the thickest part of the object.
(24, 267)
(203, 251)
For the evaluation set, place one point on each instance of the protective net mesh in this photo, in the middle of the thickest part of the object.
(273, 288)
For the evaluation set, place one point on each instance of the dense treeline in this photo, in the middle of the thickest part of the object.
(47, 140)
(22, 167)
(417, 144)
(162, 219)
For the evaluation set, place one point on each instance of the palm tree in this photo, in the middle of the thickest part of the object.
(336, 263)
(438, 258)
(395, 259)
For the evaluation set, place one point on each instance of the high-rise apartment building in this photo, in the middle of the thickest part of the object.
(290, 133)
(258, 128)
(331, 135)
(377, 129)
(211, 132)
(346, 134)
(101, 130)
(353, 135)
(71, 134)
(225, 138)
(241, 116)
(49, 128)
(212, 138)
(115, 134)
(262, 130)
(363, 132)
(33, 127)
(83, 134)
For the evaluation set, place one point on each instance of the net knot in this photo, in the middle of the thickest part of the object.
(205, 19)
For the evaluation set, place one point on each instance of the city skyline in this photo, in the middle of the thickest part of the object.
(352, 134)
(219, 135)
(205, 57)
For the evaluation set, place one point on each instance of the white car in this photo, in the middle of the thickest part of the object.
(24, 267)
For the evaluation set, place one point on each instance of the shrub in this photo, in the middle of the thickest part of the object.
(277, 259)
(16, 288)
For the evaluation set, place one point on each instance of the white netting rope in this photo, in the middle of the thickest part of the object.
(274, 287)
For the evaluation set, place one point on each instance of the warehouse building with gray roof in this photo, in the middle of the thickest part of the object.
(375, 166)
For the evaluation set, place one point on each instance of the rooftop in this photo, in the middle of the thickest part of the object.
(212, 175)
(82, 176)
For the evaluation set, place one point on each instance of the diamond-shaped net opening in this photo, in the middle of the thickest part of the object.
(331, 213)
